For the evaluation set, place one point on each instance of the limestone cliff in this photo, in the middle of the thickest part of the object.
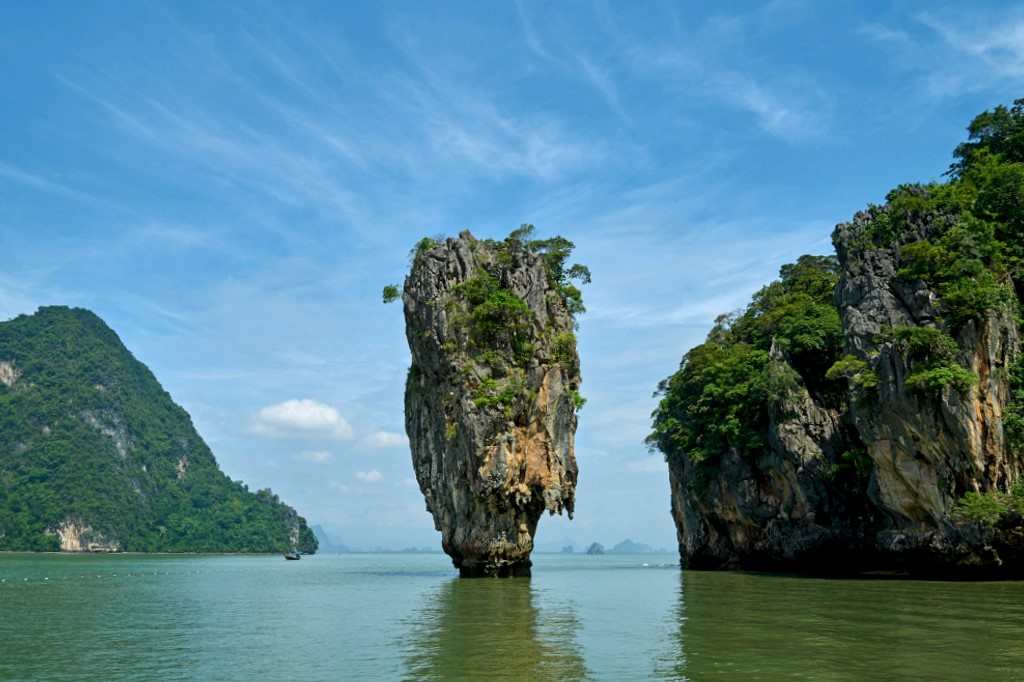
(492, 393)
(867, 411)
(928, 448)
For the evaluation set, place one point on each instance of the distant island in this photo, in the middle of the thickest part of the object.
(96, 456)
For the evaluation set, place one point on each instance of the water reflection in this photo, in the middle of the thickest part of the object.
(736, 626)
(482, 629)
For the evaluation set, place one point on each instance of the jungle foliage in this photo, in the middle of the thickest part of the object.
(720, 397)
(87, 434)
(962, 238)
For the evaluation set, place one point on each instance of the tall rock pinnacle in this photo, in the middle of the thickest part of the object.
(492, 393)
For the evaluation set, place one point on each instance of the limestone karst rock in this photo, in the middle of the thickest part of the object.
(870, 479)
(866, 411)
(492, 393)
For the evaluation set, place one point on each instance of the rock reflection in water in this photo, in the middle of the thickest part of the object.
(492, 629)
(735, 626)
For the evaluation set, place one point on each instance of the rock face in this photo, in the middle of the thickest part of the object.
(491, 397)
(76, 537)
(869, 481)
(926, 451)
(784, 509)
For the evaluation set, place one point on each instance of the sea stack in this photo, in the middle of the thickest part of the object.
(493, 390)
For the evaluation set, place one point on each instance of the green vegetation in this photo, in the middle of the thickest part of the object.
(1013, 414)
(720, 397)
(565, 348)
(962, 238)
(965, 238)
(556, 252)
(88, 434)
(932, 354)
(858, 372)
(491, 393)
(578, 401)
(498, 319)
(964, 266)
(989, 508)
(493, 325)
(423, 245)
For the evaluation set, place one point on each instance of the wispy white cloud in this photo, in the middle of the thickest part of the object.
(387, 439)
(464, 125)
(577, 63)
(783, 115)
(292, 171)
(957, 52)
(998, 42)
(530, 34)
(884, 33)
(371, 476)
(35, 181)
(302, 417)
(788, 106)
(176, 236)
(604, 83)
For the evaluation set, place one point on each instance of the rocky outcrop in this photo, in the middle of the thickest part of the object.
(76, 536)
(491, 397)
(927, 450)
(797, 504)
(9, 374)
(870, 481)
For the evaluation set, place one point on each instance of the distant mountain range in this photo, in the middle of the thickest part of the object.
(627, 546)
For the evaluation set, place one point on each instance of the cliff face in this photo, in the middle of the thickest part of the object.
(491, 397)
(795, 502)
(927, 449)
(96, 456)
(873, 478)
(867, 411)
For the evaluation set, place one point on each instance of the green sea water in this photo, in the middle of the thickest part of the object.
(406, 616)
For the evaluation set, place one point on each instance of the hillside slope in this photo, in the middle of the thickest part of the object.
(95, 455)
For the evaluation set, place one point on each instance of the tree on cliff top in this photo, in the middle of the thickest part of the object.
(720, 396)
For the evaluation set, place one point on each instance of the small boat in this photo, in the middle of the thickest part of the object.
(292, 555)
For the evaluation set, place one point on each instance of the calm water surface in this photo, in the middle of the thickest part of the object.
(407, 617)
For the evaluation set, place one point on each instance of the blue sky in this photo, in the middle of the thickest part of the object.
(230, 185)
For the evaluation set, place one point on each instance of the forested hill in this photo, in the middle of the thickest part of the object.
(94, 454)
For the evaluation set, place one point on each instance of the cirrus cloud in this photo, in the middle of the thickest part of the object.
(302, 417)
(371, 476)
(387, 439)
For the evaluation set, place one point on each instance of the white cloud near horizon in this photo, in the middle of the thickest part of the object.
(303, 417)
(371, 476)
(387, 439)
